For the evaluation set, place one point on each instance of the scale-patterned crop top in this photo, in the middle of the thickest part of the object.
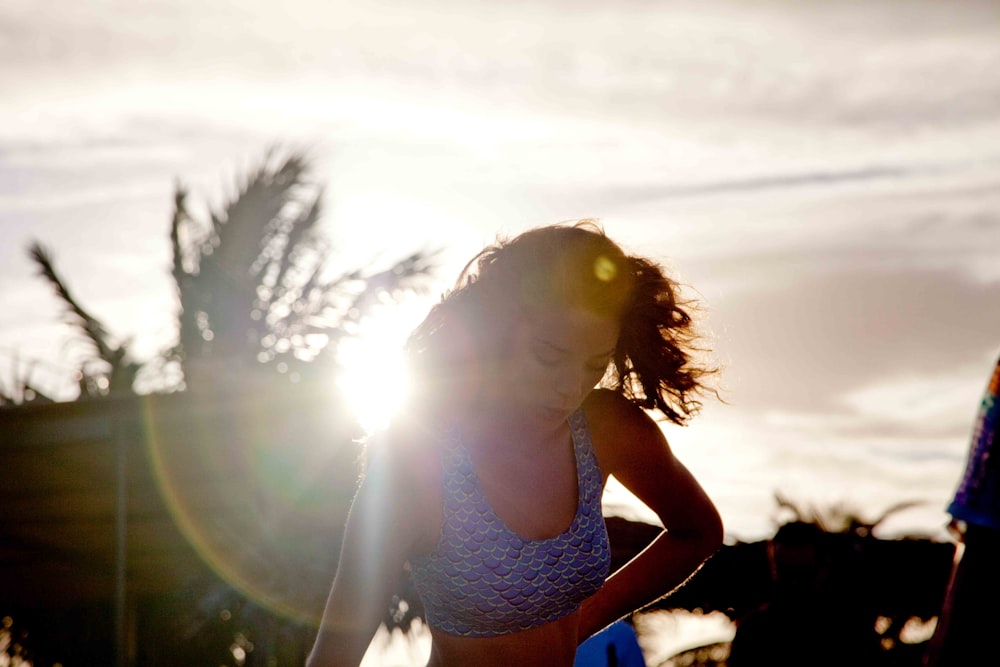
(484, 580)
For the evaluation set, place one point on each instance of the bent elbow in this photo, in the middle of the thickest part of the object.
(712, 535)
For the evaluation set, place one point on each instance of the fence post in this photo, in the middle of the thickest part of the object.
(122, 652)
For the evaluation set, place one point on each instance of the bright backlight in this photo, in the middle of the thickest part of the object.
(373, 374)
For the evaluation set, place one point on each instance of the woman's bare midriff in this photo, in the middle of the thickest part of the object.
(550, 645)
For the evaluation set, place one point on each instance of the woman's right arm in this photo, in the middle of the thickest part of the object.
(383, 528)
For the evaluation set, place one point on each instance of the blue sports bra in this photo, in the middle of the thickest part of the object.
(484, 580)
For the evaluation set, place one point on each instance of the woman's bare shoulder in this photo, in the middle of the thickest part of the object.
(407, 452)
(403, 462)
(621, 431)
(609, 410)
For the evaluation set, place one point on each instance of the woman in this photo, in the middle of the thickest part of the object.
(489, 491)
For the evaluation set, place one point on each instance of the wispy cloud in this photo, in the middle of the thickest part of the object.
(810, 341)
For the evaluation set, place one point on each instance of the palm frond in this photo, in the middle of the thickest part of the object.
(260, 289)
(178, 270)
(187, 297)
(226, 316)
(403, 274)
(296, 240)
(256, 208)
(121, 370)
(89, 326)
(839, 517)
(894, 509)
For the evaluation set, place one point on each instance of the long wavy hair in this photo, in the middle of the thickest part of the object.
(462, 342)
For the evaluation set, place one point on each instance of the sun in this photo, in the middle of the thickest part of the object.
(373, 375)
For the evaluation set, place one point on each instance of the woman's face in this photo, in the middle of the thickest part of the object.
(554, 360)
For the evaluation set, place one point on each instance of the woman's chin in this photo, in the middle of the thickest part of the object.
(552, 416)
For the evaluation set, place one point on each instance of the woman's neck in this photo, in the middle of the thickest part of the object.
(513, 430)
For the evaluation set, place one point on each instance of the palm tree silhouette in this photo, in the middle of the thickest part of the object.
(252, 287)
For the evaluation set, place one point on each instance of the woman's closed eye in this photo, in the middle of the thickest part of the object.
(548, 357)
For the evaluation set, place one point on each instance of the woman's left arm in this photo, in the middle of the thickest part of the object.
(631, 446)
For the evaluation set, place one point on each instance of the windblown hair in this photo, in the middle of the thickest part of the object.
(463, 339)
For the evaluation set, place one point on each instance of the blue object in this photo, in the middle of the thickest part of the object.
(977, 499)
(614, 646)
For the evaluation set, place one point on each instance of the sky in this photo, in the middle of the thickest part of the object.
(822, 176)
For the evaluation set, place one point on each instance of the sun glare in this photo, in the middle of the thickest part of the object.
(373, 374)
